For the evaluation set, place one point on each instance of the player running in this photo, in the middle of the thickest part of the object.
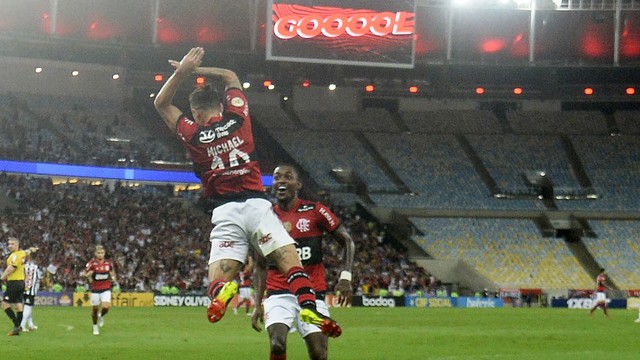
(306, 221)
(601, 294)
(101, 275)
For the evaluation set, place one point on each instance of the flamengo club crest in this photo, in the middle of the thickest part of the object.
(303, 225)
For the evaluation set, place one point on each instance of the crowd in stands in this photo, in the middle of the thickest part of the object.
(158, 239)
(421, 160)
(74, 132)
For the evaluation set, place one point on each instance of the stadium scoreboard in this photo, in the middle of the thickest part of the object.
(349, 32)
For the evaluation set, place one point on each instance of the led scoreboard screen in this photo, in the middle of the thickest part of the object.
(352, 32)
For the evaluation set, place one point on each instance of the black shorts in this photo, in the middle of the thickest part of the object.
(29, 299)
(15, 292)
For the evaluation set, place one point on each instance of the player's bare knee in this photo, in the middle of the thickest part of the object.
(279, 344)
(317, 353)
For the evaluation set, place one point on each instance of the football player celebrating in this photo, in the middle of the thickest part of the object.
(306, 221)
(220, 141)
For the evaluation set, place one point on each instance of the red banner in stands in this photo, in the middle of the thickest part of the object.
(353, 32)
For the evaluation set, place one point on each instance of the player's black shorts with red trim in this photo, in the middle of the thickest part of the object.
(15, 292)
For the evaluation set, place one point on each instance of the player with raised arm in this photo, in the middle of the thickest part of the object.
(306, 221)
(101, 274)
(14, 275)
(601, 293)
(220, 141)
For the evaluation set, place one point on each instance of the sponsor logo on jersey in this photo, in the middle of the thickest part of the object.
(329, 218)
(264, 239)
(237, 102)
(306, 207)
(222, 131)
(225, 244)
(206, 136)
(102, 276)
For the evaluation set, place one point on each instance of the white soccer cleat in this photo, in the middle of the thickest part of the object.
(96, 331)
(637, 320)
(33, 327)
(100, 321)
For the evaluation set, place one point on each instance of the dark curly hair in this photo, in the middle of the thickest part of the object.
(205, 97)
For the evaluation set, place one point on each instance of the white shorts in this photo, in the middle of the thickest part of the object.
(100, 297)
(601, 297)
(284, 309)
(236, 225)
(245, 293)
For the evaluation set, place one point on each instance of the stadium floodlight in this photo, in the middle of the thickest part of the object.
(246, 85)
(332, 87)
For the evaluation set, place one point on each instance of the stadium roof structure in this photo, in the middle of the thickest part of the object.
(544, 43)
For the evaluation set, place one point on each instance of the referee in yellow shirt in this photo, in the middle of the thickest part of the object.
(14, 274)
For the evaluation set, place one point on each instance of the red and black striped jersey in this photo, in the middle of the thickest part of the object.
(306, 222)
(223, 150)
(601, 283)
(101, 274)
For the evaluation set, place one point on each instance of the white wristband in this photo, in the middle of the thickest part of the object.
(345, 275)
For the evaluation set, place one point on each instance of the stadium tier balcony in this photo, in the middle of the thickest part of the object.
(557, 122)
(616, 249)
(509, 252)
(508, 157)
(452, 122)
(320, 152)
(611, 162)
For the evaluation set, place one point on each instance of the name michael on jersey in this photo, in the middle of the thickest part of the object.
(224, 147)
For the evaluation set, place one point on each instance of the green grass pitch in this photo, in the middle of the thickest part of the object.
(369, 333)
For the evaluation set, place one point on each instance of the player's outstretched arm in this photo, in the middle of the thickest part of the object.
(344, 289)
(164, 100)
